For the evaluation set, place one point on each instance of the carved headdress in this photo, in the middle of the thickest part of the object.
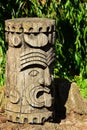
(37, 56)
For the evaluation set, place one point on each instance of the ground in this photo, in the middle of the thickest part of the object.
(72, 122)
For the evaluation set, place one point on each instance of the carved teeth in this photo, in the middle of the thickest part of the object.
(29, 118)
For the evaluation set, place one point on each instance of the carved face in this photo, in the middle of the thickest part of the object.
(35, 65)
(38, 91)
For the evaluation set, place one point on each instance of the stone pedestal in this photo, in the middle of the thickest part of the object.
(29, 89)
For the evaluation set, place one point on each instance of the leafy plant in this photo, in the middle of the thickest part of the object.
(71, 46)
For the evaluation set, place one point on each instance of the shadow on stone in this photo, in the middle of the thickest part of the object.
(68, 100)
(62, 87)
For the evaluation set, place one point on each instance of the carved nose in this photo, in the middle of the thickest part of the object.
(47, 77)
(41, 81)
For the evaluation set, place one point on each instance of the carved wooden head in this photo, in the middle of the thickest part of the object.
(29, 63)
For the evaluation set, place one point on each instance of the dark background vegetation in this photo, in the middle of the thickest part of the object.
(71, 34)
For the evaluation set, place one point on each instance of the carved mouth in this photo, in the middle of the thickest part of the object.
(38, 96)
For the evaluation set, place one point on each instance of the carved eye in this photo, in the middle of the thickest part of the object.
(33, 73)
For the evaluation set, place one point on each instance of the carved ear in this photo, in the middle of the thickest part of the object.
(14, 96)
(14, 40)
(38, 40)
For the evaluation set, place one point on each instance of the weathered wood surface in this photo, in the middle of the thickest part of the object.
(30, 56)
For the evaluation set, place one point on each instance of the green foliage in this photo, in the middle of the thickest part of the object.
(71, 34)
(2, 50)
(82, 84)
(71, 46)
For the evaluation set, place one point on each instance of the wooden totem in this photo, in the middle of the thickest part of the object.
(30, 56)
